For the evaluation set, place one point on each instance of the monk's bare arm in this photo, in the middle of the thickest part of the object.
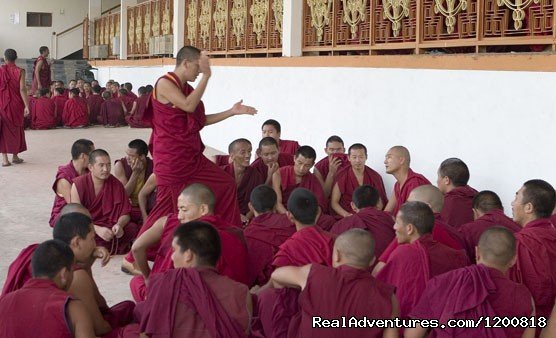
(391, 203)
(145, 241)
(74, 197)
(238, 109)
(38, 69)
(123, 220)
(23, 91)
(144, 193)
(83, 288)
(63, 189)
(119, 172)
(291, 276)
(133, 108)
(377, 268)
(335, 202)
(80, 320)
(550, 329)
(249, 304)
(276, 185)
(393, 332)
(168, 92)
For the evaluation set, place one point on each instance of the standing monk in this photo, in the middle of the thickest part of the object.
(270, 159)
(14, 107)
(41, 71)
(272, 128)
(325, 169)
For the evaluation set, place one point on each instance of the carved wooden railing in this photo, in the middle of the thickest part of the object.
(147, 21)
(106, 28)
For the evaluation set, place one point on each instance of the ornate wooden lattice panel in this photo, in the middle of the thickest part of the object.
(449, 19)
(192, 36)
(531, 19)
(106, 28)
(275, 25)
(219, 25)
(238, 14)
(258, 24)
(394, 26)
(352, 23)
(318, 23)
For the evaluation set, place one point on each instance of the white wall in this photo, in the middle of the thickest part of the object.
(27, 40)
(107, 4)
(500, 123)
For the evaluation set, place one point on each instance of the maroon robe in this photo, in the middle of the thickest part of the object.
(106, 208)
(136, 215)
(95, 102)
(553, 219)
(377, 222)
(309, 182)
(39, 309)
(413, 181)
(128, 103)
(250, 180)
(325, 222)
(19, 271)
(347, 184)
(59, 103)
(44, 75)
(75, 113)
(420, 260)
(28, 120)
(288, 146)
(68, 173)
(458, 206)
(43, 114)
(264, 235)
(471, 232)
(471, 293)
(111, 112)
(222, 160)
(132, 95)
(323, 166)
(12, 135)
(307, 245)
(136, 120)
(283, 160)
(536, 254)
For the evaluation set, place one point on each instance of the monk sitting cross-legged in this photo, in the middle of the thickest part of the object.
(270, 159)
(95, 102)
(272, 128)
(76, 112)
(59, 100)
(135, 119)
(326, 169)
(112, 111)
(43, 113)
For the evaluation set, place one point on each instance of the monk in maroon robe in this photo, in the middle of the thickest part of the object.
(397, 163)
(41, 71)
(366, 205)
(79, 165)
(14, 106)
(355, 175)
(272, 128)
(59, 102)
(43, 111)
(324, 221)
(135, 120)
(105, 198)
(129, 104)
(246, 177)
(94, 101)
(43, 306)
(76, 112)
(129, 87)
(269, 159)
(326, 169)
(356, 293)
(286, 179)
(536, 243)
(112, 111)
(453, 176)
(476, 292)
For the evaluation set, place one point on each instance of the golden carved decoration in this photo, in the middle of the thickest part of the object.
(138, 30)
(238, 15)
(259, 11)
(156, 19)
(99, 37)
(320, 15)
(518, 10)
(395, 11)
(278, 9)
(220, 17)
(166, 24)
(131, 29)
(354, 13)
(204, 21)
(191, 22)
(147, 25)
(107, 31)
(117, 25)
(450, 11)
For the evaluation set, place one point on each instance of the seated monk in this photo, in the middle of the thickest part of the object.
(76, 112)
(105, 198)
(43, 307)
(265, 233)
(196, 202)
(269, 159)
(135, 119)
(298, 175)
(246, 177)
(194, 300)
(412, 265)
(129, 87)
(477, 291)
(345, 289)
(133, 171)
(43, 112)
(95, 102)
(112, 111)
(368, 215)
(536, 243)
(397, 163)
(271, 128)
(355, 175)
(326, 169)
(147, 197)
(487, 212)
(129, 103)
(453, 176)
(59, 102)
(79, 165)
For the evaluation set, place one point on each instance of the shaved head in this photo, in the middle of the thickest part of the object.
(74, 207)
(401, 151)
(497, 246)
(486, 201)
(428, 194)
(356, 247)
(200, 194)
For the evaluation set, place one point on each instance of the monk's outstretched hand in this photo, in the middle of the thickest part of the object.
(240, 109)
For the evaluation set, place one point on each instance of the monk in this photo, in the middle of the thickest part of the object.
(129, 102)
(196, 202)
(114, 89)
(59, 102)
(265, 233)
(326, 169)
(79, 165)
(43, 306)
(397, 163)
(298, 175)
(453, 176)
(105, 198)
(536, 243)
(65, 91)
(135, 119)
(129, 87)
(43, 113)
(85, 89)
(76, 112)
(412, 265)
(356, 293)
(133, 171)
(487, 212)
(14, 106)
(194, 300)
(476, 291)
(269, 159)
(41, 71)
(94, 101)
(246, 177)
(355, 175)
(272, 128)
(368, 215)
(112, 111)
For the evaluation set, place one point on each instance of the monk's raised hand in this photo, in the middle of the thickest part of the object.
(137, 166)
(118, 231)
(272, 168)
(103, 254)
(204, 64)
(333, 164)
(240, 109)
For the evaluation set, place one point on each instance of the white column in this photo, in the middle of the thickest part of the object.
(292, 28)
(179, 25)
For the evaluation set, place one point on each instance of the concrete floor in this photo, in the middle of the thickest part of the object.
(26, 196)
